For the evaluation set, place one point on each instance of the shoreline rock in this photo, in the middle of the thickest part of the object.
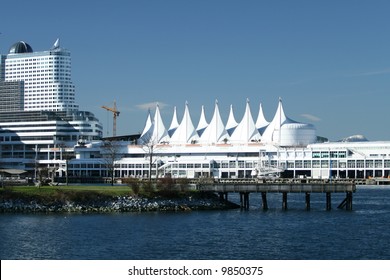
(115, 204)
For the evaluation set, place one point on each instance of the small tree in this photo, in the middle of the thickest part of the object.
(149, 145)
(42, 176)
(111, 154)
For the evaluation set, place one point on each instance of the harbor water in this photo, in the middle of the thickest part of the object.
(293, 234)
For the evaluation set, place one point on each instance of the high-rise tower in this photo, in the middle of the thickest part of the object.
(46, 75)
(40, 122)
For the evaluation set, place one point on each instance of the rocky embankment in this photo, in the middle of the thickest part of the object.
(114, 204)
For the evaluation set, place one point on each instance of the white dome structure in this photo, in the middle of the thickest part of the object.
(297, 134)
(283, 131)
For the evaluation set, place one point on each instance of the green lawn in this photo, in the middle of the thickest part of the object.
(51, 191)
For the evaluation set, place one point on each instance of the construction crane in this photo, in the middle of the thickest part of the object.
(115, 113)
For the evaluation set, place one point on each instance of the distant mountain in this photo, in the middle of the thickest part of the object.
(355, 138)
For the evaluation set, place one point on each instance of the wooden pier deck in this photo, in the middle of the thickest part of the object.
(246, 186)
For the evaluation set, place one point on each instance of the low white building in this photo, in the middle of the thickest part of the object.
(283, 144)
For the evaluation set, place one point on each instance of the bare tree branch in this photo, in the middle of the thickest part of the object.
(110, 155)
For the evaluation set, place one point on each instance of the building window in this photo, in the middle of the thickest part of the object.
(343, 154)
(316, 154)
(369, 163)
(298, 164)
(316, 164)
(324, 164)
(324, 154)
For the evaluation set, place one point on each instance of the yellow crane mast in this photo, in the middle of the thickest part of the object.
(115, 113)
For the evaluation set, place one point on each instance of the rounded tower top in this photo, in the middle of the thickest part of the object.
(20, 47)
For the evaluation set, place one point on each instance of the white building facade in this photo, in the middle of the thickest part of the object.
(250, 150)
(40, 122)
(46, 75)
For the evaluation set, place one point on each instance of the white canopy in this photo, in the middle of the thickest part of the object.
(215, 131)
(154, 131)
(145, 136)
(246, 130)
(231, 123)
(202, 122)
(174, 123)
(261, 122)
(273, 131)
(280, 131)
(185, 132)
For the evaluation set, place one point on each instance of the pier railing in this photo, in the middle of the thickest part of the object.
(246, 186)
(277, 187)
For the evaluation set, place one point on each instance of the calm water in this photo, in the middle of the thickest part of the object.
(363, 233)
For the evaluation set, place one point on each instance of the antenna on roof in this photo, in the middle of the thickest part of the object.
(56, 44)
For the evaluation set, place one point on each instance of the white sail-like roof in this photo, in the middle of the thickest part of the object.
(147, 129)
(281, 131)
(246, 130)
(185, 132)
(261, 122)
(154, 131)
(174, 123)
(231, 123)
(273, 131)
(160, 133)
(215, 131)
(202, 122)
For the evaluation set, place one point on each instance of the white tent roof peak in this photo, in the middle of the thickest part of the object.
(261, 122)
(231, 122)
(246, 130)
(174, 122)
(280, 115)
(155, 130)
(185, 132)
(202, 124)
(215, 131)
(160, 133)
(273, 130)
(148, 124)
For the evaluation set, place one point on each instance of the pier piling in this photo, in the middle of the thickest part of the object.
(284, 204)
(264, 201)
(347, 202)
(244, 200)
(307, 200)
(223, 196)
(328, 201)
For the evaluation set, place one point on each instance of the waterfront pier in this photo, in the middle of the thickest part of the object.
(283, 186)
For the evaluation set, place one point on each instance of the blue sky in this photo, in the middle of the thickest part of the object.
(327, 60)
